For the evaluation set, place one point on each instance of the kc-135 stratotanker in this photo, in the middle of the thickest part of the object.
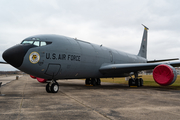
(49, 58)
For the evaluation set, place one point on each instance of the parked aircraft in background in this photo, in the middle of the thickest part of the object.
(49, 58)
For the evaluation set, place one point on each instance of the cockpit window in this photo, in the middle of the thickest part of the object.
(43, 43)
(35, 42)
(27, 42)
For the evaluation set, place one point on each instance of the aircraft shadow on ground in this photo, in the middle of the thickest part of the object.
(111, 86)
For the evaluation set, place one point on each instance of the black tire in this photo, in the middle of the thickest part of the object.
(141, 81)
(130, 82)
(48, 88)
(87, 82)
(93, 82)
(54, 87)
(98, 81)
(137, 82)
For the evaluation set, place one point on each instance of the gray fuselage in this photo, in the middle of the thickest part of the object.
(68, 58)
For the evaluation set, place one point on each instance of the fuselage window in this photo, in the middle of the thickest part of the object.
(36, 43)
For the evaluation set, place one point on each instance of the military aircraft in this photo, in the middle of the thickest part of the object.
(49, 58)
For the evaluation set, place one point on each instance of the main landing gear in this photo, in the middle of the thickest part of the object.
(135, 81)
(93, 81)
(52, 87)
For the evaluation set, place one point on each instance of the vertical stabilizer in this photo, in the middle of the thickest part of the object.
(143, 48)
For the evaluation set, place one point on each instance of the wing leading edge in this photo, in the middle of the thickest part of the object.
(132, 67)
(153, 61)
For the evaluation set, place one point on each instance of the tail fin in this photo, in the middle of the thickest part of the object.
(143, 48)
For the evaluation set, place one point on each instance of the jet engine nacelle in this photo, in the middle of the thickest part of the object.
(164, 74)
(41, 80)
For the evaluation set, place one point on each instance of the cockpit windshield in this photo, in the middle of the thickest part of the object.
(36, 43)
(27, 42)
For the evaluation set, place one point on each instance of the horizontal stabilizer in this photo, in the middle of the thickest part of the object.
(154, 61)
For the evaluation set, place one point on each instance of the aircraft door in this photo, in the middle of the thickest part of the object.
(53, 69)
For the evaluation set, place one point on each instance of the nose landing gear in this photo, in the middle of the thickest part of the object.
(52, 87)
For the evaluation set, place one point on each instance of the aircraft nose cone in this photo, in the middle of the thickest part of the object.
(14, 55)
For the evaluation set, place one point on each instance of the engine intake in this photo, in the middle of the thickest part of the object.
(164, 74)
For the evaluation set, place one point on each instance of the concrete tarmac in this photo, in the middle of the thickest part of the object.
(7, 79)
(27, 99)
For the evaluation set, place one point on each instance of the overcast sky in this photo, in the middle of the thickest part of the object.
(112, 23)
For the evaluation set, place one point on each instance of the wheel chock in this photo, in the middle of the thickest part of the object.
(88, 85)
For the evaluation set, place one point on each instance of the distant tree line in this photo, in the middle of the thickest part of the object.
(10, 72)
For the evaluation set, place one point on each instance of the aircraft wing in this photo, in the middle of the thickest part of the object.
(132, 67)
(153, 61)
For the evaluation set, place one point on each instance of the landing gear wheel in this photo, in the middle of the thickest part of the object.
(54, 87)
(141, 81)
(137, 82)
(48, 88)
(93, 82)
(88, 81)
(130, 82)
(98, 81)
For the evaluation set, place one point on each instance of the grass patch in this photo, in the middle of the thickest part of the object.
(148, 81)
